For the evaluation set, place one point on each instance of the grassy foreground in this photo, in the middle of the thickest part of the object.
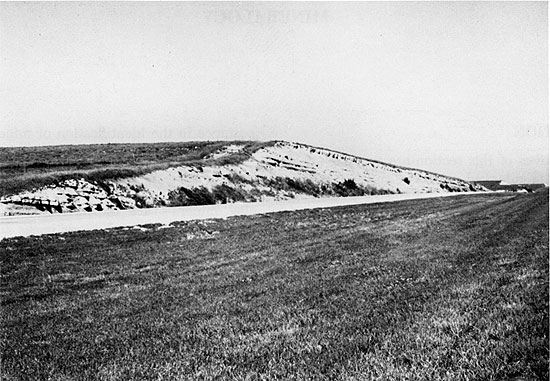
(437, 289)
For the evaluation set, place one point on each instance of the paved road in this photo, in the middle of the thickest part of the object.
(14, 226)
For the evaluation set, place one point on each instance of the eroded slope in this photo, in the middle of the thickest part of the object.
(276, 171)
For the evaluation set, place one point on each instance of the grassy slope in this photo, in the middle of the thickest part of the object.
(23, 168)
(451, 288)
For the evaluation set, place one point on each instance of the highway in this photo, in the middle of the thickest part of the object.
(14, 226)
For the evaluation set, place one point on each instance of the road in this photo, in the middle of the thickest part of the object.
(14, 226)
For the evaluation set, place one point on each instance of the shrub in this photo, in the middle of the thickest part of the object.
(186, 197)
(303, 186)
(297, 185)
(348, 188)
(224, 194)
(238, 179)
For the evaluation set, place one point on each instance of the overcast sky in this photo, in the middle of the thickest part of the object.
(456, 88)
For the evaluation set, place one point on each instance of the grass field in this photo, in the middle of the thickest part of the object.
(437, 289)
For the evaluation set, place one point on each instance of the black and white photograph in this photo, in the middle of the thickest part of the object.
(256, 190)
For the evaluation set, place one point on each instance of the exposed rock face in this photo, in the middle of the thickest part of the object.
(68, 196)
(282, 171)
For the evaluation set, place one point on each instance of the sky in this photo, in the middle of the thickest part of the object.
(458, 88)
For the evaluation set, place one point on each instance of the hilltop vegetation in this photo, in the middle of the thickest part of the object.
(438, 289)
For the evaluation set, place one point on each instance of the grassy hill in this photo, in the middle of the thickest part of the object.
(24, 168)
(437, 289)
(110, 177)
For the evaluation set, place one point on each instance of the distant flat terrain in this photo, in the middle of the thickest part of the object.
(61, 223)
(451, 288)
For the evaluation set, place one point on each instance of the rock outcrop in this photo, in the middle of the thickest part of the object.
(281, 171)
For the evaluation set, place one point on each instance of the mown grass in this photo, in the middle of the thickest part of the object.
(436, 289)
(24, 168)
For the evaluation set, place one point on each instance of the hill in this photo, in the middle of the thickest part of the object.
(64, 179)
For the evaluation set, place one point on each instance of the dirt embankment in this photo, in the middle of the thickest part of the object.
(275, 172)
